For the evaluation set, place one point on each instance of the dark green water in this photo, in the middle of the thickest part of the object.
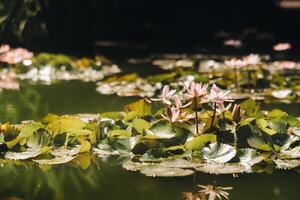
(103, 181)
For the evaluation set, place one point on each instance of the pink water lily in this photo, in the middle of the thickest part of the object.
(178, 102)
(282, 46)
(14, 56)
(234, 62)
(233, 43)
(166, 96)
(176, 115)
(252, 59)
(214, 192)
(195, 90)
(218, 96)
(4, 48)
(287, 64)
(221, 107)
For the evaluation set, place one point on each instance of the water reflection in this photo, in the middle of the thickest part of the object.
(209, 192)
(32, 102)
(90, 178)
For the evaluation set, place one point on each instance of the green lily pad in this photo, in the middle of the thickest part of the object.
(198, 142)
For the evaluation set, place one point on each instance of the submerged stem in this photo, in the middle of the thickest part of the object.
(196, 115)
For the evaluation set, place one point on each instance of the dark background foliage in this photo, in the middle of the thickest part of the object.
(73, 25)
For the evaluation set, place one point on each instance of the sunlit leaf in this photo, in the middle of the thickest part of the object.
(160, 171)
(198, 142)
(29, 153)
(218, 153)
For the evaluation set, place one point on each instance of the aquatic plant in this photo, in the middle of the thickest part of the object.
(161, 140)
(47, 68)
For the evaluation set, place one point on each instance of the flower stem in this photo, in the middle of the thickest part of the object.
(214, 115)
(248, 77)
(236, 77)
(196, 115)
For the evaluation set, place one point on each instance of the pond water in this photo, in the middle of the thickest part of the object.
(106, 180)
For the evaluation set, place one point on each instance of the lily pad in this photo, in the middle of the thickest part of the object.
(228, 168)
(55, 161)
(249, 157)
(218, 153)
(179, 163)
(134, 166)
(281, 94)
(286, 164)
(29, 153)
(63, 151)
(198, 142)
(161, 171)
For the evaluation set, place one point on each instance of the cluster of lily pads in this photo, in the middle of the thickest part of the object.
(195, 129)
(46, 68)
(251, 75)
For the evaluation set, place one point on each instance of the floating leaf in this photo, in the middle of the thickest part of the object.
(160, 171)
(55, 161)
(141, 107)
(119, 133)
(218, 153)
(258, 143)
(292, 153)
(227, 168)
(162, 129)
(134, 166)
(264, 126)
(29, 153)
(281, 94)
(286, 164)
(63, 151)
(249, 157)
(179, 163)
(140, 125)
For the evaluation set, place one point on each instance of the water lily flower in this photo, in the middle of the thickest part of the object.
(252, 59)
(233, 43)
(195, 90)
(4, 48)
(237, 113)
(234, 62)
(287, 64)
(282, 46)
(214, 192)
(218, 96)
(176, 115)
(9, 83)
(178, 102)
(221, 107)
(15, 56)
(166, 96)
(190, 196)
